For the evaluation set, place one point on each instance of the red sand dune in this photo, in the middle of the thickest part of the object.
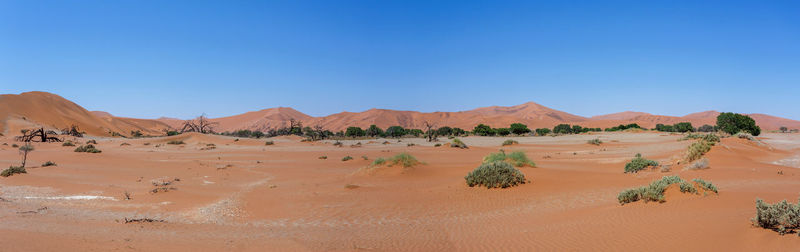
(34, 109)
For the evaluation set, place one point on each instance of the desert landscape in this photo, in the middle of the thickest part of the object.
(213, 192)
(354, 125)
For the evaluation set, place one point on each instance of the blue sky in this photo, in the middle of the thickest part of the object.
(182, 58)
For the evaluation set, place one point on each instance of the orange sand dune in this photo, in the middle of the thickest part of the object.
(41, 109)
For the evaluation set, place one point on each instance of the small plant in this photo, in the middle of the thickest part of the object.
(457, 143)
(403, 159)
(378, 161)
(517, 158)
(337, 143)
(698, 165)
(652, 192)
(595, 141)
(386, 142)
(323, 157)
(706, 185)
(126, 195)
(68, 143)
(48, 163)
(782, 217)
(346, 158)
(510, 142)
(269, 143)
(410, 144)
(365, 157)
(13, 170)
(87, 148)
(638, 163)
(437, 145)
(91, 142)
(687, 187)
(176, 142)
(124, 144)
(497, 174)
(14, 145)
(698, 149)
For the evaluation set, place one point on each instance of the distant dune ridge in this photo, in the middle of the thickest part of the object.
(32, 109)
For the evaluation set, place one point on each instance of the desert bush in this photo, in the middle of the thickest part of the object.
(733, 123)
(173, 133)
(687, 187)
(542, 131)
(519, 128)
(365, 157)
(87, 148)
(497, 174)
(510, 142)
(337, 143)
(698, 165)
(706, 185)
(14, 145)
(395, 131)
(48, 163)
(782, 217)
(13, 170)
(517, 158)
(638, 163)
(179, 142)
(683, 127)
(743, 135)
(437, 145)
(323, 157)
(410, 144)
(562, 129)
(652, 192)
(457, 143)
(595, 141)
(91, 142)
(269, 143)
(346, 158)
(354, 132)
(706, 128)
(68, 143)
(379, 161)
(483, 130)
(698, 149)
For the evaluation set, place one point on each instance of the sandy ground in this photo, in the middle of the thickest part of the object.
(245, 196)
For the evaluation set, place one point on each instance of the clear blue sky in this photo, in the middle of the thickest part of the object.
(183, 58)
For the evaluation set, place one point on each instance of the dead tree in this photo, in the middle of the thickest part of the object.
(201, 124)
(430, 132)
(39, 135)
(72, 131)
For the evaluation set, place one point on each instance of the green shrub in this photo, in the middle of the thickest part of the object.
(457, 143)
(177, 142)
(269, 143)
(782, 217)
(68, 143)
(706, 185)
(347, 158)
(323, 157)
(706, 128)
(87, 148)
(13, 170)
(437, 145)
(517, 158)
(48, 163)
(403, 159)
(510, 142)
(638, 163)
(365, 157)
(687, 187)
(652, 192)
(595, 141)
(379, 161)
(542, 131)
(495, 175)
(91, 142)
(519, 128)
(14, 145)
(733, 123)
